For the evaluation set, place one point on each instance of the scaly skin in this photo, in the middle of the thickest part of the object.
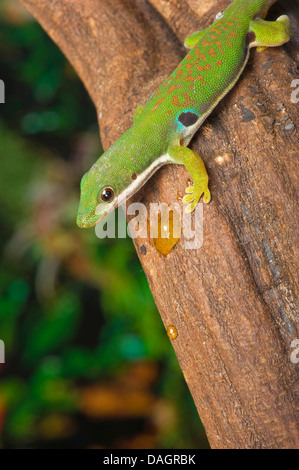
(164, 127)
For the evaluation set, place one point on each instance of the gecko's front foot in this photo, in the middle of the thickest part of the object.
(197, 170)
(194, 193)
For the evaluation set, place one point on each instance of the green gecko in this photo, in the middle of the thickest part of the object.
(163, 128)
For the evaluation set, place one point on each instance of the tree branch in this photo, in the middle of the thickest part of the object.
(233, 301)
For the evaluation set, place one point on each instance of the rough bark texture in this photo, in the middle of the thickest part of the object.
(234, 301)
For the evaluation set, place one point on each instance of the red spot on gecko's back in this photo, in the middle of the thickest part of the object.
(158, 103)
(184, 102)
(203, 67)
(173, 87)
(189, 77)
(179, 74)
(175, 100)
(216, 30)
(232, 34)
(212, 44)
(200, 54)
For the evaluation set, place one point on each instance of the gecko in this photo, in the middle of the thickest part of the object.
(163, 128)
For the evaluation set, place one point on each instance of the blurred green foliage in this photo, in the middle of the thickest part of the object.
(88, 362)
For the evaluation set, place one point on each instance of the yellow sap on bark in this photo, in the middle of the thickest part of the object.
(166, 229)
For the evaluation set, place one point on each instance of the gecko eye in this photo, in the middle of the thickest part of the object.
(106, 195)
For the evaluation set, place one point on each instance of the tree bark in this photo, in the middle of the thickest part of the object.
(234, 301)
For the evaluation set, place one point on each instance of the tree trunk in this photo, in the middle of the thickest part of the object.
(234, 301)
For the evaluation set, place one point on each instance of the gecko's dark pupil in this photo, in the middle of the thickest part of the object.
(107, 194)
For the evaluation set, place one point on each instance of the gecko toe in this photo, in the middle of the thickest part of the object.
(188, 198)
(207, 196)
(189, 189)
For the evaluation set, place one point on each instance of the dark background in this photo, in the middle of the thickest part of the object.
(88, 361)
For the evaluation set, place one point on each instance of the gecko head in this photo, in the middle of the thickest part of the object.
(117, 175)
(103, 188)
